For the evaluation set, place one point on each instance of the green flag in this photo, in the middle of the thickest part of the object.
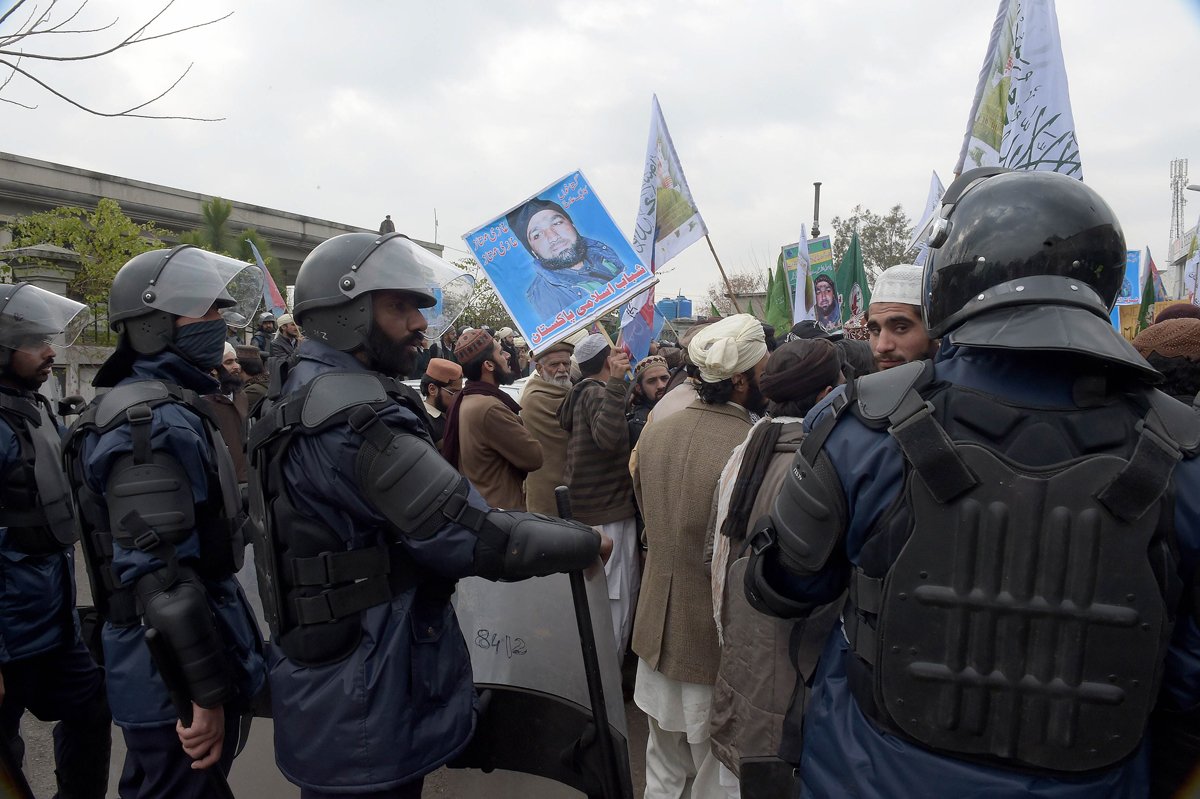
(853, 292)
(766, 303)
(778, 312)
(1147, 307)
(712, 311)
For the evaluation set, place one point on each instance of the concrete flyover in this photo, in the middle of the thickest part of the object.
(28, 185)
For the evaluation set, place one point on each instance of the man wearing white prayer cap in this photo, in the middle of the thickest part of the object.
(894, 320)
(680, 458)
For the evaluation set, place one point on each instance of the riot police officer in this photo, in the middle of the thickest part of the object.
(1015, 523)
(159, 500)
(367, 529)
(44, 665)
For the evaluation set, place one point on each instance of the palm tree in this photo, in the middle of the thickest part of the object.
(216, 235)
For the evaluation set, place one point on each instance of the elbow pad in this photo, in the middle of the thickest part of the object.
(181, 614)
(809, 515)
(519, 545)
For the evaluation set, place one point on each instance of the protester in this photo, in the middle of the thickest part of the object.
(265, 333)
(523, 359)
(679, 462)
(44, 665)
(372, 687)
(597, 471)
(285, 341)
(1173, 348)
(156, 490)
(228, 407)
(760, 655)
(505, 336)
(1179, 310)
(254, 373)
(649, 385)
(681, 389)
(974, 504)
(441, 383)
(894, 321)
(544, 394)
(484, 438)
(858, 358)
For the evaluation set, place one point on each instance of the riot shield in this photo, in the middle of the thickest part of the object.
(536, 692)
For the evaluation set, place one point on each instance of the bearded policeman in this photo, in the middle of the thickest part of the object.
(367, 529)
(1016, 523)
(44, 666)
(160, 507)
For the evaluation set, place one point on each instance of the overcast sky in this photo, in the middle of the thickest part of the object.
(352, 110)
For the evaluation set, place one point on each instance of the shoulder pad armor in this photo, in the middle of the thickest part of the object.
(880, 394)
(333, 392)
(1179, 422)
(120, 399)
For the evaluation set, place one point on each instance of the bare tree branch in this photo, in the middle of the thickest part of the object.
(12, 53)
(126, 113)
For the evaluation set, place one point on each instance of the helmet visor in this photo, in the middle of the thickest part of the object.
(33, 317)
(397, 263)
(192, 280)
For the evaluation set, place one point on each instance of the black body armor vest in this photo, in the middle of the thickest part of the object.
(154, 526)
(35, 497)
(1015, 603)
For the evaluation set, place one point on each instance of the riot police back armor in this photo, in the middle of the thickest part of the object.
(150, 505)
(1014, 604)
(35, 498)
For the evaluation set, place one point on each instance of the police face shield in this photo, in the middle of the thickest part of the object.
(31, 317)
(395, 262)
(191, 280)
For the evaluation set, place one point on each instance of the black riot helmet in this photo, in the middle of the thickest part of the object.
(33, 317)
(333, 288)
(154, 288)
(1027, 260)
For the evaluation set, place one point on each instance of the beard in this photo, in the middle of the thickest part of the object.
(392, 358)
(504, 375)
(567, 258)
(229, 381)
(756, 402)
(561, 380)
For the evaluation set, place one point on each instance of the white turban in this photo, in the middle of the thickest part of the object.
(900, 283)
(728, 347)
(229, 350)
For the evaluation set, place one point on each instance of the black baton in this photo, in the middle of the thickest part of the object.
(609, 779)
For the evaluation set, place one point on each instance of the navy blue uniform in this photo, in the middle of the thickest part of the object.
(156, 765)
(46, 667)
(847, 754)
(401, 703)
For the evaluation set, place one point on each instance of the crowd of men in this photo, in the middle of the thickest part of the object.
(959, 558)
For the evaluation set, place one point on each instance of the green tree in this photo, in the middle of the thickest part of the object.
(883, 238)
(217, 234)
(484, 307)
(104, 239)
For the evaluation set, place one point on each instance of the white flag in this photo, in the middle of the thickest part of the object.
(1021, 115)
(668, 218)
(1191, 279)
(933, 201)
(802, 303)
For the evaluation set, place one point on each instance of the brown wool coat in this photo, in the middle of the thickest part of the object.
(539, 412)
(495, 451)
(680, 459)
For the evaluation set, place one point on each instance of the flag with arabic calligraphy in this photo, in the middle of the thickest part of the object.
(933, 202)
(1021, 116)
(668, 222)
(558, 261)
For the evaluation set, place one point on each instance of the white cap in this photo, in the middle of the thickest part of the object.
(504, 332)
(900, 283)
(590, 347)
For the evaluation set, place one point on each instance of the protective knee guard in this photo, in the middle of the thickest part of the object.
(180, 612)
(532, 545)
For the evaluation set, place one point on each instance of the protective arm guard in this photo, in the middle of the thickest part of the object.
(788, 574)
(418, 492)
(179, 610)
(533, 545)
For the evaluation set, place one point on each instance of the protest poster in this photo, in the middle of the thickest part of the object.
(828, 310)
(558, 261)
(1131, 286)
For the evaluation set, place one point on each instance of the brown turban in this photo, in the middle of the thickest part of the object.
(799, 369)
(1174, 338)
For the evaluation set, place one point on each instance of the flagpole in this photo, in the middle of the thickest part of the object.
(728, 285)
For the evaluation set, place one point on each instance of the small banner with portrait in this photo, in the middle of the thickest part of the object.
(558, 261)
